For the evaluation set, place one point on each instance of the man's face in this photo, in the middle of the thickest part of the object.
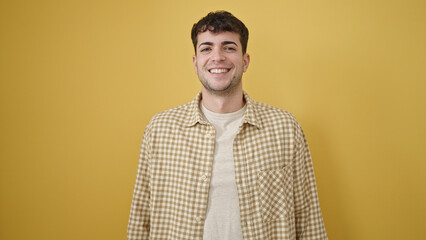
(219, 62)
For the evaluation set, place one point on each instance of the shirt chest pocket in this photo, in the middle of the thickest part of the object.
(275, 187)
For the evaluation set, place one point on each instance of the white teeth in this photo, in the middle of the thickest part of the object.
(219, 70)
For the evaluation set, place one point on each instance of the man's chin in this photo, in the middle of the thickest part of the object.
(225, 91)
(220, 90)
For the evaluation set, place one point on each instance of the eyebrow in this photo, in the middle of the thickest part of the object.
(229, 42)
(223, 43)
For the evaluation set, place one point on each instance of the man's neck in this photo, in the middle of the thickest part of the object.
(223, 104)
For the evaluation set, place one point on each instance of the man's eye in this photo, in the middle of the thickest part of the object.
(204, 49)
(229, 48)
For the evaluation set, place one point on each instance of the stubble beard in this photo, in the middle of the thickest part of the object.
(225, 91)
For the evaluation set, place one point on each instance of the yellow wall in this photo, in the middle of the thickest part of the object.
(80, 80)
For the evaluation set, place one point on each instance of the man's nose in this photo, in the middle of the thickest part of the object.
(217, 55)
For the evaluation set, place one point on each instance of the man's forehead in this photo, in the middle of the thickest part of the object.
(223, 36)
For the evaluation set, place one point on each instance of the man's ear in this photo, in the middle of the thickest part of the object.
(246, 60)
(194, 61)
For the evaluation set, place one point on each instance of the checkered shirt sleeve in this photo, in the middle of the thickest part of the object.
(139, 221)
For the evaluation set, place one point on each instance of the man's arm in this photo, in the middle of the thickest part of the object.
(309, 221)
(139, 220)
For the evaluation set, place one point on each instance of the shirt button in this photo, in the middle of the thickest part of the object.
(198, 219)
(204, 177)
(209, 135)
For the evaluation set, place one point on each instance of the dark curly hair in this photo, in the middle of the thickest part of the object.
(220, 21)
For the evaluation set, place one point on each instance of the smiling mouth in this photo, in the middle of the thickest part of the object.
(219, 70)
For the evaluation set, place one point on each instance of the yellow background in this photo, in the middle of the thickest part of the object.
(81, 79)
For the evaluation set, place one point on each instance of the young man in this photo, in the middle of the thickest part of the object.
(224, 167)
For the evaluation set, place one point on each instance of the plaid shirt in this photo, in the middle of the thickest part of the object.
(273, 172)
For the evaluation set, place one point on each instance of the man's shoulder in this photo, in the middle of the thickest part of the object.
(173, 116)
(273, 115)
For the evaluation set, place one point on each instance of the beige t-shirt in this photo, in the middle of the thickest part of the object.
(223, 212)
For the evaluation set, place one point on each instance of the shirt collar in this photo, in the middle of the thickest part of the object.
(195, 116)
